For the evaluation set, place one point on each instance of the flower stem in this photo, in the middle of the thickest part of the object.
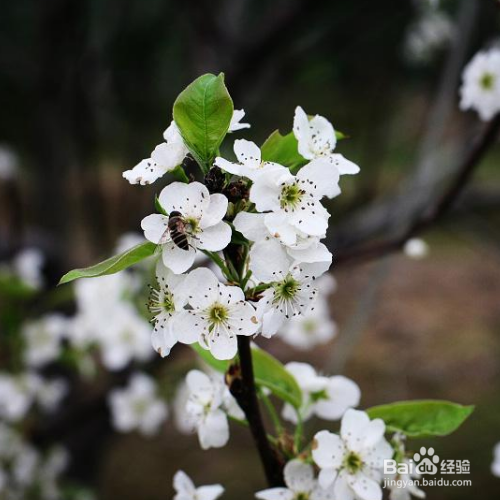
(244, 390)
(271, 410)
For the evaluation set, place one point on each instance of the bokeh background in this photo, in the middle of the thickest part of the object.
(86, 89)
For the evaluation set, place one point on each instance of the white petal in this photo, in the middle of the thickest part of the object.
(322, 133)
(210, 492)
(343, 165)
(145, 172)
(312, 254)
(168, 155)
(163, 337)
(248, 153)
(320, 177)
(352, 427)
(224, 346)
(203, 286)
(299, 477)
(269, 261)
(323, 494)
(229, 166)
(199, 382)
(215, 238)
(244, 319)
(250, 225)
(373, 433)
(188, 327)
(154, 226)
(278, 225)
(364, 487)
(343, 393)
(214, 430)
(183, 484)
(236, 124)
(272, 320)
(177, 259)
(266, 190)
(215, 212)
(327, 477)
(301, 132)
(328, 450)
(342, 488)
(275, 494)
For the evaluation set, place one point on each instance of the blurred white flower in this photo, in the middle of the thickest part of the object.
(300, 485)
(236, 124)
(165, 157)
(183, 422)
(326, 397)
(186, 490)
(495, 466)
(9, 163)
(353, 461)
(314, 327)
(416, 248)
(317, 140)
(50, 393)
(43, 338)
(205, 409)
(201, 214)
(481, 84)
(137, 407)
(17, 394)
(430, 34)
(28, 264)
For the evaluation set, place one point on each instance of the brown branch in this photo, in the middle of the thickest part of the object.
(437, 211)
(240, 379)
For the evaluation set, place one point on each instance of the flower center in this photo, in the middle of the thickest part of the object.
(301, 496)
(319, 395)
(161, 301)
(487, 81)
(290, 197)
(353, 462)
(140, 406)
(309, 326)
(286, 290)
(192, 225)
(217, 315)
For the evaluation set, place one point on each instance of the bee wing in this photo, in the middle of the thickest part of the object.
(164, 237)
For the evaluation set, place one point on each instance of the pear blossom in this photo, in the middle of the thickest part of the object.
(300, 485)
(17, 394)
(353, 461)
(204, 407)
(314, 327)
(165, 158)
(186, 490)
(43, 339)
(316, 139)
(250, 162)
(202, 213)
(326, 397)
(495, 466)
(50, 393)
(296, 199)
(137, 406)
(236, 124)
(219, 313)
(28, 265)
(416, 248)
(165, 303)
(480, 89)
(182, 420)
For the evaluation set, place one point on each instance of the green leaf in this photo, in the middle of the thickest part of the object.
(282, 149)
(113, 264)
(268, 371)
(159, 208)
(422, 418)
(13, 287)
(203, 112)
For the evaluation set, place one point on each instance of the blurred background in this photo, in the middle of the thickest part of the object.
(86, 90)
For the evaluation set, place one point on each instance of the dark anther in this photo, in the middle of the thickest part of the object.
(236, 191)
(215, 180)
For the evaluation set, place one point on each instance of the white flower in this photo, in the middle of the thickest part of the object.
(416, 248)
(495, 466)
(219, 313)
(165, 157)
(50, 393)
(9, 163)
(326, 397)
(300, 485)
(205, 409)
(314, 327)
(481, 84)
(316, 138)
(42, 339)
(403, 486)
(250, 162)
(27, 264)
(137, 406)
(353, 461)
(296, 199)
(186, 490)
(236, 124)
(166, 303)
(17, 394)
(202, 215)
(183, 421)
(292, 290)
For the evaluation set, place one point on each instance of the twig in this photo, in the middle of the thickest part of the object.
(441, 206)
(242, 387)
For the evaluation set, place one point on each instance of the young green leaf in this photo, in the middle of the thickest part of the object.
(268, 371)
(113, 264)
(422, 418)
(203, 112)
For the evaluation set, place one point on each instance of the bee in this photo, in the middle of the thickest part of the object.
(176, 227)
